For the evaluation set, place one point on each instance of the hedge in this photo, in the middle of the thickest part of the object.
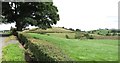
(42, 50)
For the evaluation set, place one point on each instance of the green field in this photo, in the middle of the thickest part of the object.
(62, 35)
(83, 50)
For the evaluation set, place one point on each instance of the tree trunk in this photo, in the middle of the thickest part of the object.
(19, 28)
(18, 24)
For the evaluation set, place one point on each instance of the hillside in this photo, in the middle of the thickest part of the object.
(51, 30)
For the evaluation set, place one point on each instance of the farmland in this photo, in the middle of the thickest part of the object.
(94, 50)
(59, 44)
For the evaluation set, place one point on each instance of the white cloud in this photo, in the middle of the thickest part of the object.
(6, 26)
(87, 14)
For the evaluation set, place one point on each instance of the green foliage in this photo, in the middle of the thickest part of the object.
(67, 36)
(78, 35)
(108, 34)
(42, 50)
(41, 14)
(118, 34)
(71, 29)
(105, 32)
(83, 50)
(13, 52)
(22, 38)
(114, 34)
(78, 30)
(88, 36)
(82, 35)
(13, 31)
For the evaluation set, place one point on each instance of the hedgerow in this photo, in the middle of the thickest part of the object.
(42, 50)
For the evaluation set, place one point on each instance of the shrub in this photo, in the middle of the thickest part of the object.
(88, 36)
(108, 34)
(67, 36)
(71, 29)
(79, 35)
(78, 30)
(91, 37)
(83, 35)
(114, 34)
(118, 34)
(48, 34)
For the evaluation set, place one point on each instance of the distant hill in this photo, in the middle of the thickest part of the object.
(51, 30)
(105, 32)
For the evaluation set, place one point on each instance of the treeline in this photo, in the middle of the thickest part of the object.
(106, 32)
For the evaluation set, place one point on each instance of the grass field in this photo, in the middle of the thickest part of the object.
(13, 52)
(83, 50)
(62, 35)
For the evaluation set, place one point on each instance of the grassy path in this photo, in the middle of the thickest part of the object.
(12, 50)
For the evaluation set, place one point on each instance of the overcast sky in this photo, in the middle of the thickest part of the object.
(85, 14)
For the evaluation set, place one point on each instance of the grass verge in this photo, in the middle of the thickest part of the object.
(13, 52)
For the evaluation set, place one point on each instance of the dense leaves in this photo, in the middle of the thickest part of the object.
(41, 14)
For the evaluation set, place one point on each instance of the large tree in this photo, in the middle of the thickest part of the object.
(41, 14)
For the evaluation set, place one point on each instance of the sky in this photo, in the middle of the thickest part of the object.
(85, 14)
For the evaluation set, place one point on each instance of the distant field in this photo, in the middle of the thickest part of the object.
(62, 35)
(93, 50)
(103, 32)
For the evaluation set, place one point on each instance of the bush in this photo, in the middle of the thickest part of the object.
(91, 37)
(78, 35)
(108, 34)
(114, 34)
(118, 34)
(67, 36)
(88, 36)
(82, 35)
(78, 30)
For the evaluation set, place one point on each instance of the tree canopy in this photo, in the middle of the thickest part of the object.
(41, 14)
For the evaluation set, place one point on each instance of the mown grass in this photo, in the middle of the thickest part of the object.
(93, 50)
(13, 52)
